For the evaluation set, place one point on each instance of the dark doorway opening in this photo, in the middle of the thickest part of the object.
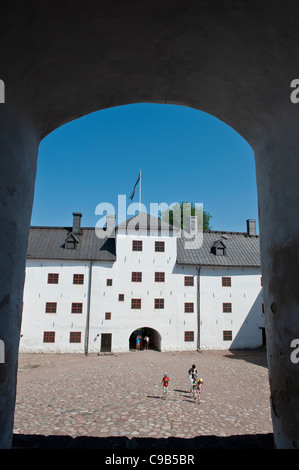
(106, 340)
(153, 335)
(263, 336)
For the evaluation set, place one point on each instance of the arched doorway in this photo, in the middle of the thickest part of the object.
(154, 338)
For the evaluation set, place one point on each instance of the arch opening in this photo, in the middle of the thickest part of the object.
(154, 342)
(176, 129)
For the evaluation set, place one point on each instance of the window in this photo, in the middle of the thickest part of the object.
(189, 336)
(189, 280)
(53, 278)
(159, 303)
(77, 307)
(70, 244)
(218, 247)
(51, 307)
(49, 336)
(227, 307)
(107, 315)
(78, 279)
(189, 307)
(121, 297)
(75, 337)
(109, 282)
(160, 246)
(226, 282)
(263, 308)
(159, 277)
(227, 335)
(137, 245)
(136, 303)
(261, 281)
(136, 277)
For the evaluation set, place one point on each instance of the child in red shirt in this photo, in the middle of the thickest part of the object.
(165, 381)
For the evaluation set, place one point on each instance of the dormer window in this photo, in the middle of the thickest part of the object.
(71, 242)
(218, 248)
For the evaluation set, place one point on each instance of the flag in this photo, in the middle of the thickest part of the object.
(133, 192)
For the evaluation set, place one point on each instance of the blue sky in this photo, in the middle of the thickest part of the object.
(184, 155)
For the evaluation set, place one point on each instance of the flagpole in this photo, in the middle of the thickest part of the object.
(140, 194)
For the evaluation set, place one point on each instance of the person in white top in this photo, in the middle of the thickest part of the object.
(192, 374)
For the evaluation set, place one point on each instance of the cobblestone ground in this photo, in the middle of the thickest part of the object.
(121, 395)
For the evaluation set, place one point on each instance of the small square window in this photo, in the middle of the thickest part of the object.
(77, 307)
(53, 278)
(220, 251)
(109, 282)
(189, 280)
(160, 246)
(135, 303)
(159, 303)
(227, 335)
(107, 315)
(189, 336)
(159, 277)
(226, 282)
(70, 244)
(136, 277)
(78, 279)
(49, 337)
(189, 307)
(137, 245)
(51, 307)
(121, 297)
(227, 307)
(75, 337)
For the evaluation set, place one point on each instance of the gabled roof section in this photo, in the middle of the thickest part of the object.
(71, 241)
(72, 236)
(218, 247)
(49, 243)
(240, 249)
(218, 243)
(145, 221)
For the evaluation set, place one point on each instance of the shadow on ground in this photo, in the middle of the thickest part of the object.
(255, 441)
(254, 356)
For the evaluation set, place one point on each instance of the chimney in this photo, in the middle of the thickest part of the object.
(110, 225)
(192, 229)
(251, 227)
(76, 223)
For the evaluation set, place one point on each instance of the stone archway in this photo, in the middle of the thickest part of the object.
(154, 337)
(234, 60)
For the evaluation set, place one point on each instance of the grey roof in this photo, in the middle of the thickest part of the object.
(241, 249)
(145, 221)
(49, 243)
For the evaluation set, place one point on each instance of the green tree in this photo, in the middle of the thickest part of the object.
(179, 215)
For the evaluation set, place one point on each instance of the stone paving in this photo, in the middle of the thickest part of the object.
(121, 395)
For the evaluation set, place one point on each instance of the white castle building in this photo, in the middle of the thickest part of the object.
(95, 290)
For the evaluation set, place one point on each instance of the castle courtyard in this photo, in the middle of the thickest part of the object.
(115, 400)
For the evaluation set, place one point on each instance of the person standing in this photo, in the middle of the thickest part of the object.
(194, 388)
(146, 341)
(198, 389)
(192, 374)
(164, 383)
